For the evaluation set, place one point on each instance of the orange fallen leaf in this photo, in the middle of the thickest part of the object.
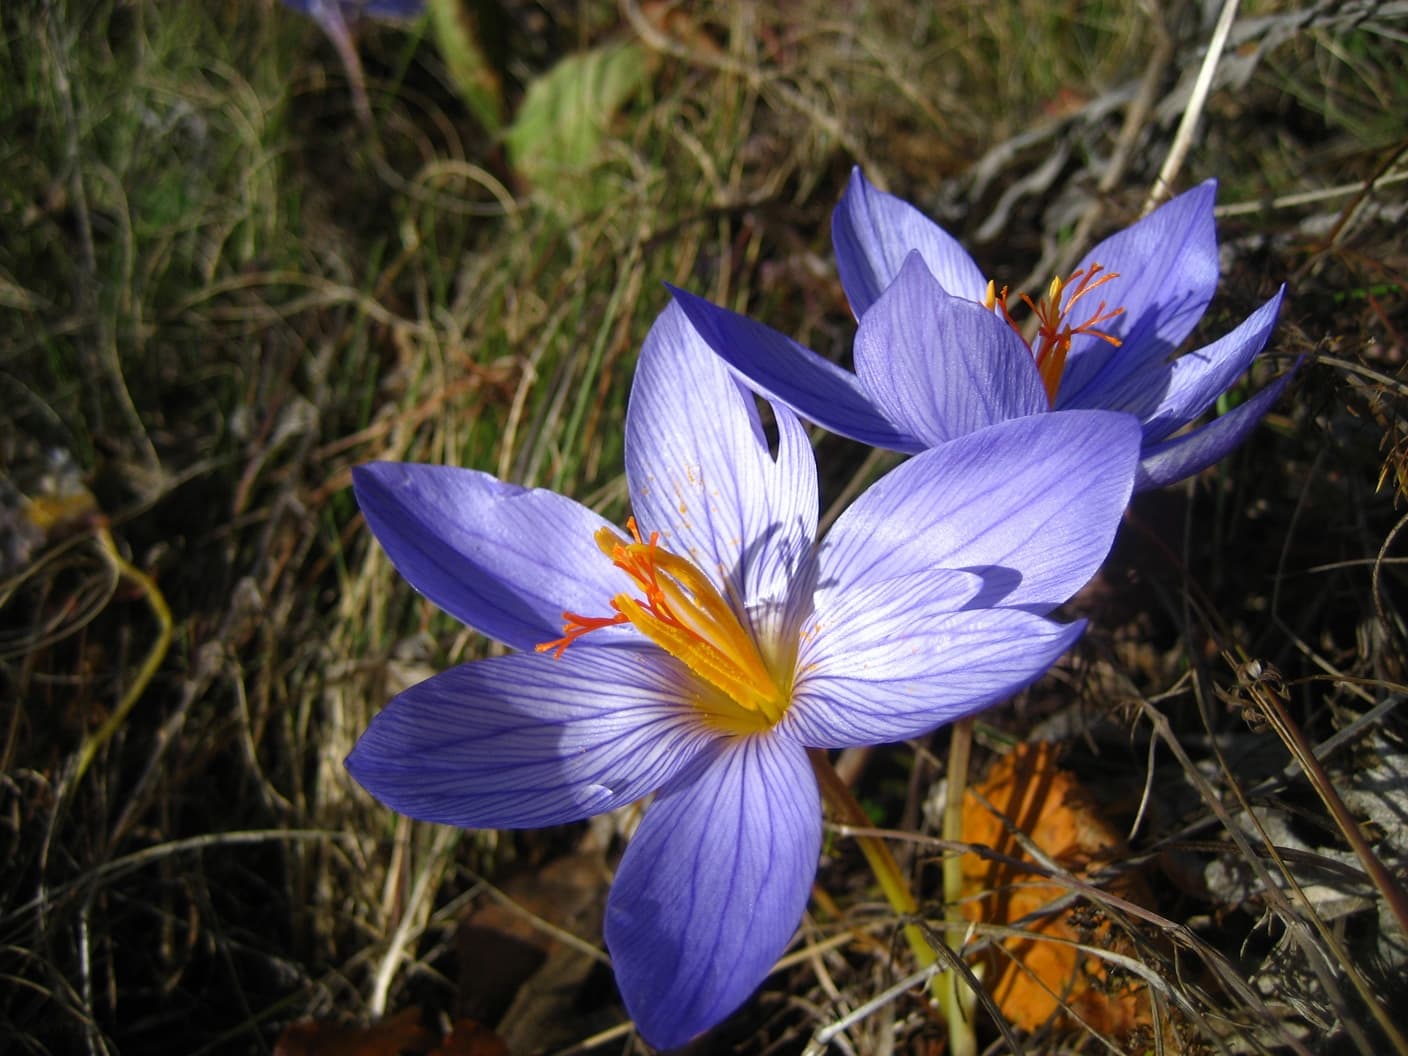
(1035, 979)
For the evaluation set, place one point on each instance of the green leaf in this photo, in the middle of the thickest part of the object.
(555, 142)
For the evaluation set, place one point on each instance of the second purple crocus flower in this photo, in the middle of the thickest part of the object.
(336, 18)
(699, 654)
(937, 353)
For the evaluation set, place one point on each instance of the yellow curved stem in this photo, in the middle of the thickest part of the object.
(895, 887)
(155, 655)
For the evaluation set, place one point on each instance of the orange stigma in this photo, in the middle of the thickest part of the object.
(682, 611)
(1054, 330)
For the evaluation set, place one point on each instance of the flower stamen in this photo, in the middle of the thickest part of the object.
(682, 611)
(1054, 332)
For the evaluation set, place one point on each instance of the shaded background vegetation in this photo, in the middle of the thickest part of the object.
(219, 290)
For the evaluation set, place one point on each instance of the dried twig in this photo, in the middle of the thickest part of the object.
(1183, 138)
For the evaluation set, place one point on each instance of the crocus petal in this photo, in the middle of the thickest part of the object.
(713, 885)
(358, 8)
(525, 740)
(1031, 504)
(941, 366)
(701, 473)
(392, 8)
(784, 371)
(873, 232)
(504, 559)
(1167, 266)
(1193, 452)
(1194, 380)
(896, 659)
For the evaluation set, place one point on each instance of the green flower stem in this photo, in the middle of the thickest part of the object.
(896, 890)
(877, 853)
(950, 990)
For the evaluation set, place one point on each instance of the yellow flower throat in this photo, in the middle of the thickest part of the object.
(1054, 331)
(682, 612)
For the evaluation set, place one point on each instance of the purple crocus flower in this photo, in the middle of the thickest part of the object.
(699, 654)
(354, 9)
(336, 18)
(937, 354)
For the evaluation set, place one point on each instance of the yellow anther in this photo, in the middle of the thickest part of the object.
(682, 612)
(1054, 332)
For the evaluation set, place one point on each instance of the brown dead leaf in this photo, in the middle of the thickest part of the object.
(514, 973)
(1036, 978)
(401, 1033)
(673, 21)
(470, 1038)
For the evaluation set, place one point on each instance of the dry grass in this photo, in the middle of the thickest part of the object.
(218, 292)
